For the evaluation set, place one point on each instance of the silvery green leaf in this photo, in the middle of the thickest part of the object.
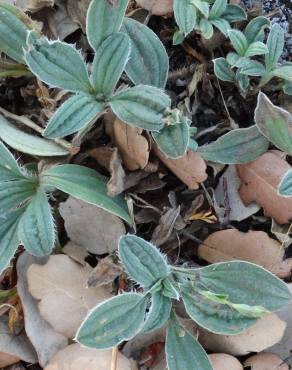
(109, 63)
(237, 146)
(233, 58)
(36, 226)
(159, 312)
(113, 321)
(183, 351)
(256, 48)
(77, 112)
(168, 289)
(185, 15)
(202, 6)
(206, 28)
(57, 64)
(255, 30)
(148, 63)
(274, 123)
(239, 41)
(141, 106)
(287, 88)
(234, 13)
(26, 143)
(178, 37)
(284, 71)
(222, 25)
(104, 18)
(9, 168)
(85, 184)
(252, 68)
(275, 44)
(223, 70)
(142, 261)
(285, 186)
(242, 81)
(217, 9)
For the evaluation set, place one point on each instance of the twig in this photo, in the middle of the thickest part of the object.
(114, 358)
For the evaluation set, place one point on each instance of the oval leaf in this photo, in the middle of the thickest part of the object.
(217, 9)
(285, 186)
(275, 44)
(223, 70)
(255, 30)
(185, 15)
(159, 312)
(239, 41)
(234, 13)
(9, 168)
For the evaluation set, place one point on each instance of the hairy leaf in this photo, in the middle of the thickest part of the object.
(255, 30)
(284, 71)
(185, 15)
(142, 260)
(239, 41)
(256, 48)
(114, 321)
(275, 44)
(234, 13)
(201, 5)
(9, 168)
(14, 193)
(223, 70)
(148, 63)
(159, 312)
(222, 25)
(205, 26)
(252, 68)
(285, 186)
(217, 9)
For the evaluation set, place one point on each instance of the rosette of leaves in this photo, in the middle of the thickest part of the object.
(224, 298)
(26, 214)
(203, 16)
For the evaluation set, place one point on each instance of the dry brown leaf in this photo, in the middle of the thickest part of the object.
(75, 357)
(266, 361)
(36, 5)
(157, 7)
(190, 169)
(104, 273)
(266, 332)
(61, 288)
(255, 246)
(77, 253)
(77, 10)
(259, 182)
(222, 361)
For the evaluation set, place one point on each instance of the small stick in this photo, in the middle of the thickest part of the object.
(114, 358)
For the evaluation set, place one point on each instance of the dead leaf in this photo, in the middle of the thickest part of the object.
(283, 233)
(115, 184)
(75, 357)
(190, 169)
(77, 10)
(61, 288)
(266, 332)
(157, 7)
(222, 361)
(259, 182)
(77, 253)
(254, 246)
(36, 5)
(90, 227)
(43, 337)
(265, 361)
(104, 273)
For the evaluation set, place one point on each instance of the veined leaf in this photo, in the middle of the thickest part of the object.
(9, 168)
(255, 30)
(148, 63)
(202, 6)
(252, 68)
(284, 71)
(114, 321)
(141, 106)
(234, 13)
(77, 112)
(274, 123)
(242, 80)
(217, 9)
(239, 41)
(36, 226)
(256, 48)
(159, 312)
(223, 70)
(233, 59)
(185, 15)
(285, 186)
(222, 25)
(26, 143)
(57, 64)
(109, 63)
(85, 184)
(238, 146)
(142, 261)
(103, 19)
(275, 44)
(183, 351)
(206, 28)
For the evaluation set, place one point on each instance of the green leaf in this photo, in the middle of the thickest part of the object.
(255, 30)
(103, 19)
(222, 25)
(256, 48)
(287, 88)
(223, 70)
(36, 227)
(26, 143)
(141, 106)
(57, 64)
(185, 15)
(114, 321)
(159, 312)
(85, 184)
(239, 41)
(252, 68)
(242, 80)
(148, 63)
(274, 123)
(285, 186)
(275, 44)
(206, 28)
(234, 13)
(217, 9)
(237, 146)
(142, 261)
(168, 289)
(233, 58)
(284, 71)
(202, 6)
(12, 69)
(109, 63)
(183, 351)
(77, 112)
(9, 168)
(178, 37)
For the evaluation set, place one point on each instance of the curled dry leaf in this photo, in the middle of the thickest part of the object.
(75, 357)
(77, 11)
(61, 288)
(255, 246)
(36, 5)
(266, 361)
(259, 182)
(157, 7)
(266, 332)
(222, 361)
(190, 169)
(77, 253)
(104, 273)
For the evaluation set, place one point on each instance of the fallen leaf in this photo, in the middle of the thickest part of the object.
(41, 334)
(75, 357)
(282, 233)
(222, 361)
(36, 5)
(157, 7)
(190, 169)
(104, 273)
(77, 10)
(60, 286)
(266, 361)
(266, 332)
(91, 227)
(77, 253)
(259, 182)
(254, 246)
